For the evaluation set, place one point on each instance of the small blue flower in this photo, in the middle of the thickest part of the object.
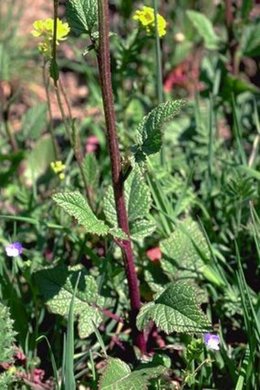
(212, 341)
(14, 249)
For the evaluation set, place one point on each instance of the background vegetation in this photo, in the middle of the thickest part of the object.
(193, 205)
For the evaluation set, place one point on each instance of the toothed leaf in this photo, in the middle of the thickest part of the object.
(185, 250)
(57, 287)
(149, 131)
(75, 205)
(118, 376)
(82, 15)
(175, 309)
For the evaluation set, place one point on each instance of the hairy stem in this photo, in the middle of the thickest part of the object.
(117, 176)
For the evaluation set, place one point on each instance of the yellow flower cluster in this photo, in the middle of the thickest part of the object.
(146, 18)
(44, 28)
(58, 168)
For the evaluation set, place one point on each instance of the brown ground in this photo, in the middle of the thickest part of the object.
(29, 82)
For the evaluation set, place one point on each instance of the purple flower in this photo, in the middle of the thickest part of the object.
(212, 341)
(14, 249)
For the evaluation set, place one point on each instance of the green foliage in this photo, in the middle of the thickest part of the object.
(149, 131)
(235, 85)
(138, 204)
(118, 376)
(91, 170)
(138, 195)
(82, 15)
(204, 28)
(208, 172)
(39, 159)
(7, 338)
(34, 121)
(142, 228)
(240, 187)
(194, 350)
(75, 205)
(250, 40)
(68, 353)
(7, 335)
(186, 250)
(57, 286)
(6, 381)
(175, 309)
(5, 63)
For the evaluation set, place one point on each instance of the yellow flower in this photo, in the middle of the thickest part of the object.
(146, 18)
(45, 29)
(58, 167)
(12, 370)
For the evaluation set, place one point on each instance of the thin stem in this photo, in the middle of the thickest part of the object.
(10, 135)
(63, 92)
(74, 140)
(46, 87)
(159, 78)
(117, 176)
(158, 54)
(63, 115)
(68, 123)
(55, 17)
(111, 315)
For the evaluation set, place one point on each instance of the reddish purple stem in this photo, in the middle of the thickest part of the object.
(117, 176)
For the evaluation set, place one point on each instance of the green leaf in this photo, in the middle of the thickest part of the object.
(204, 28)
(110, 206)
(250, 172)
(250, 40)
(141, 229)
(82, 15)
(175, 309)
(91, 170)
(7, 335)
(185, 250)
(137, 198)
(138, 203)
(57, 287)
(246, 7)
(75, 205)
(39, 159)
(149, 131)
(118, 376)
(155, 279)
(235, 85)
(118, 233)
(34, 121)
(7, 345)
